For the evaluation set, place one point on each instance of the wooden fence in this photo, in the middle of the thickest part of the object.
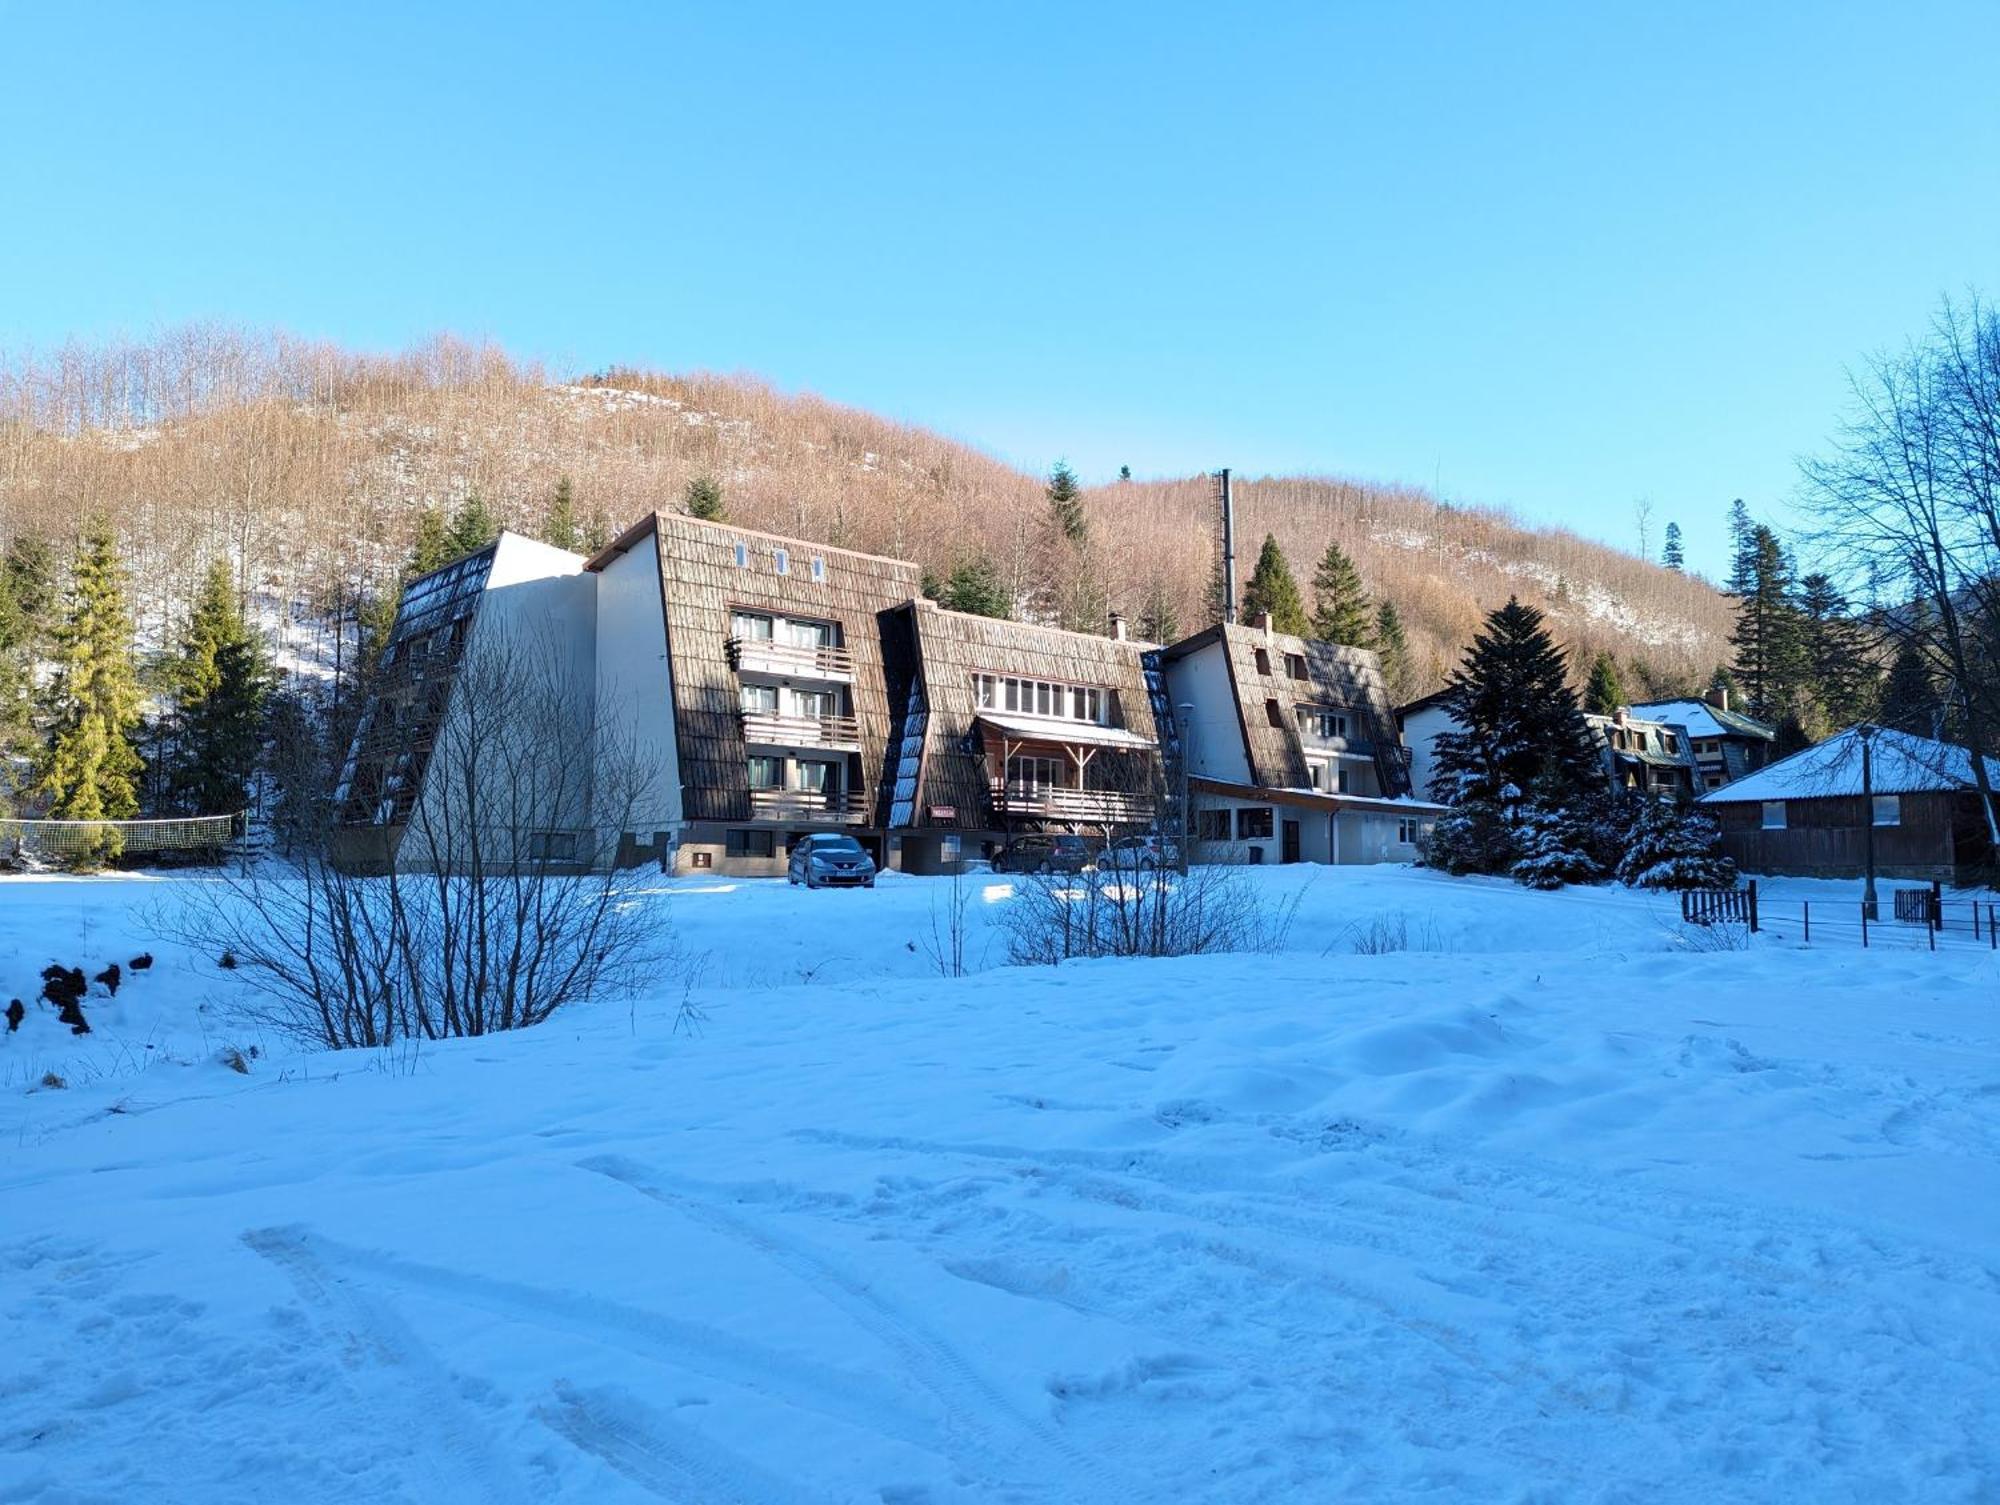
(1720, 906)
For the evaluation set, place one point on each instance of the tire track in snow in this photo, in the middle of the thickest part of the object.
(661, 1455)
(459, 1454)
(797, 1380)
(966, 1394)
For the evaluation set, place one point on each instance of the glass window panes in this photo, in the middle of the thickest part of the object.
(767, 773)
(760, 697)
(1888, 810)
(752, 625)
(1774, 815)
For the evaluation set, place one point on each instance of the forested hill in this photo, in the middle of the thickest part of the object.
(311, 467)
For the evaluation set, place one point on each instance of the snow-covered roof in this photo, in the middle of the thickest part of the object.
(1899, 764)
(1703, 720)
(1060, 729)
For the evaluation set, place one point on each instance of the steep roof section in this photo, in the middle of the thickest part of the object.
(1898, 764)
(1336, 677)
(951, 647)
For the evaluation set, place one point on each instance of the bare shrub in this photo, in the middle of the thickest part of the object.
(945, 945)
(497, 907)
(1388, 934)
(1723, 936)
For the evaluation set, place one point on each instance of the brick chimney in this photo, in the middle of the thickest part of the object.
(1262, 621)
(1719, 697)
(1118, 627)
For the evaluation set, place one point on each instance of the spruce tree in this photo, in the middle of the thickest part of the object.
(88, 769)
(1740, 531)
(1770, 660)
(1606, 691)
(1341, 609)
(432, 546)
(1272, 589)
(1517, 719)
(473, 526)
(1065, 496)
(1159, 622)
(30, 569)
(596, 532)
(17, 660)
(1124, 472)
(1672, 555)
(1835, 655)
(561, 530)
(974, 586)
(1392, 647)
(219, 681)
(1910, 699)
(704, 498)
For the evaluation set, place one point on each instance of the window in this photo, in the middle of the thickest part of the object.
(1774, 815)
(742, 556)
(751, 844)
(1263, 661)
(1036, 697)
(1272, 714)
(751, 626)
(809, 634)
(986, 691)
(767, 772)
(1317, 721)
(1316, 774)
(818, 570)
(1888, 810)
(759, 697)
(552, 846)
(1253, 823)
(1295, 665)
(1341, 781)
(815, 776)
(1669, 742)
(1408, 829)
(1031, 775)
(1211, 825)
(781, 561)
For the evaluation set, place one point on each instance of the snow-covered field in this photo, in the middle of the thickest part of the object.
(1551, 1206)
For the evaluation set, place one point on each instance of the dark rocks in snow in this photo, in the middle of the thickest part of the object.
(141, 962)
(64, 987)
(111, 976)
(15, 1014)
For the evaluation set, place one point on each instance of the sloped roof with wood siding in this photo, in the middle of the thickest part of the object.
(951, 647)
(701, 583)
(1337, 678)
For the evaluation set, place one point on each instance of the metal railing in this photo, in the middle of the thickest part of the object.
(845, 805)
(792, 660)
(1095, 806)
(801, 731)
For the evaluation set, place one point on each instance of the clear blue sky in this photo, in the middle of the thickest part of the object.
(1558, 257)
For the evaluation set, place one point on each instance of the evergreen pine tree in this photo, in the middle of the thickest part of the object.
(596, 532)
(219, 680)
(974, 586)
(17, 724)
(1517, 719)
(1740, 530)
(1910, 699)
(1770, 660)
(1836, 660)
(1605, 691)
(30, 568)
(1124, 472)
(1065, 496)
(432, 546)
(1159, 622)
(1673, 556)
(1392, 647)
(561, 531)
(1272, 589)
(1341, 609)
(473, 526)
(88, 769)
(704, 498)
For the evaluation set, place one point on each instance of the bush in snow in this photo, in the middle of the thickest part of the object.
(1555, 849)
(1672, 846)
(1474, 838)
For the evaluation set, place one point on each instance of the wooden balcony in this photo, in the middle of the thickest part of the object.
(769, 729)
(1084, 807)
(843, 806)
(791, 661)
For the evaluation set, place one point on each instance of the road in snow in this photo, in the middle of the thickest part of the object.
(1558, 1209)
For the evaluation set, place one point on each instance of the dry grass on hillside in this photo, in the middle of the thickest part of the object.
(310, 465)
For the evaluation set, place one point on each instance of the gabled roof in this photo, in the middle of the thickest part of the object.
(1898, 764)
(1704, 720)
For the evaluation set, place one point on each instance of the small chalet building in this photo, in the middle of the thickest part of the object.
(1643, 756)
(1810, 815)
(1291, 748)
(1726, 744)
(1009, 727)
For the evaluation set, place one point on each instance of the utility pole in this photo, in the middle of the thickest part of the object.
(1228, 545)
(1868, 902)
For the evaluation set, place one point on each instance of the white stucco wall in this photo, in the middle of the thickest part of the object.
(635, 690)
(1215, 738)
(1420, 732)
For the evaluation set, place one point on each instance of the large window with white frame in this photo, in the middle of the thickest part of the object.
(1042, 697)
(1321, 722)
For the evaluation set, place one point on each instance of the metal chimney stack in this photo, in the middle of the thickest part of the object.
(1228, 544)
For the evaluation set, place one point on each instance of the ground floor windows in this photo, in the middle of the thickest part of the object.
(1888, 810)
(1211, 825)
(1408, 830)
(1254, 823)
(751, 844)
(1774, 815)
(552, 846)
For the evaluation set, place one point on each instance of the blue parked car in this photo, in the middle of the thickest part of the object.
(831, 861)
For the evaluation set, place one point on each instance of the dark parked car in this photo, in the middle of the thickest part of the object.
(1043, 854)
(831, 861)
(1138, 854)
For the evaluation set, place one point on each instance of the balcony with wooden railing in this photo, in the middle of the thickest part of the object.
(1092, 807)
(790, 661)
(771, 729)
(844, 806)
